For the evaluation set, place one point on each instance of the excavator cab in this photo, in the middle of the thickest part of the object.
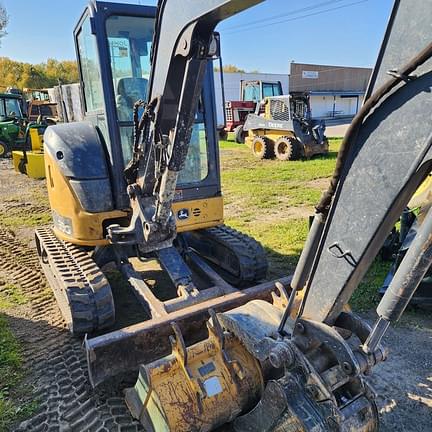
(113, 44)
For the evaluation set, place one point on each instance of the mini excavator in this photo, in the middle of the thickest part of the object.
(121, 189)
(280, 356)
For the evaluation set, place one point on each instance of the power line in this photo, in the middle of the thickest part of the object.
(296, 18)
(293, 12)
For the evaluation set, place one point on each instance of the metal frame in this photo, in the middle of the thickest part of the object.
(149, 340)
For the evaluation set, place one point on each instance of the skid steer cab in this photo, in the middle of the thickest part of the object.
(284, 131)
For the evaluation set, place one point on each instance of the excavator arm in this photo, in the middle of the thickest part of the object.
(386, 155)
(184, 41)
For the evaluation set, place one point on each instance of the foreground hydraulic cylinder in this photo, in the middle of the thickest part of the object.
(196, 388)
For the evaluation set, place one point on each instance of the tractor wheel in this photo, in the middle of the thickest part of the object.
(239, 134)
(287, 148)
(223, 134)
(263, 147)
(4, 149)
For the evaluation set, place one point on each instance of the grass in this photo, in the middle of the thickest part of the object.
(32, 220)
(11, 295)
(366, 296)
(15, 404)
(28, 211)
(271, 201)
(267, 184)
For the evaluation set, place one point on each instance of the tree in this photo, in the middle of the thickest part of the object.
(229, 68)
(4, 19)
(21, 75)
(66, 71)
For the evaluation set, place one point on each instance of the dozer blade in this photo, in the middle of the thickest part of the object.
(124, 350)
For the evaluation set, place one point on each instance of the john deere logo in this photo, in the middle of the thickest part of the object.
(183, 214)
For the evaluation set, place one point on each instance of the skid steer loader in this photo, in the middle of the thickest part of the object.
(282, 132)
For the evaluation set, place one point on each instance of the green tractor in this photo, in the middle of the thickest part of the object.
(12, 122)
(14, 125)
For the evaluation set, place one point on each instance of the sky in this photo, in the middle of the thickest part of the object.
(266, 37)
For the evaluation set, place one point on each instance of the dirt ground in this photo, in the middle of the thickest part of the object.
(57, 367)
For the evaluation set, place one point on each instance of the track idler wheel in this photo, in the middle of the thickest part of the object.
(263, 147)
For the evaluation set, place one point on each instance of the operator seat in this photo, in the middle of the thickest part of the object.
(129, 90)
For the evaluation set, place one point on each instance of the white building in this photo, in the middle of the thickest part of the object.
(335, 91)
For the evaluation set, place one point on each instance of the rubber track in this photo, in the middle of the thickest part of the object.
(54, 359)
(250, 254)
(82, 291)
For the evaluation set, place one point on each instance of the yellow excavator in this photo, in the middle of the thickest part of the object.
(279, 356)
(94, 168)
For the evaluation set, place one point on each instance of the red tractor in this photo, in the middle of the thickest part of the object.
(251, 93)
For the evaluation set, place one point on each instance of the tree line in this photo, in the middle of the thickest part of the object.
(230, 68)
(20, 75)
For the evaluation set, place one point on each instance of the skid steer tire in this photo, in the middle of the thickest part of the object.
(287, 148)
(239, 134)
(4, 149)
(263, 147)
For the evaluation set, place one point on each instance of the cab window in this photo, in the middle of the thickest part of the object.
(10, 107)
(271, 89)
(129, 43)
(251, 92)
(89, 64)
(196, 165)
